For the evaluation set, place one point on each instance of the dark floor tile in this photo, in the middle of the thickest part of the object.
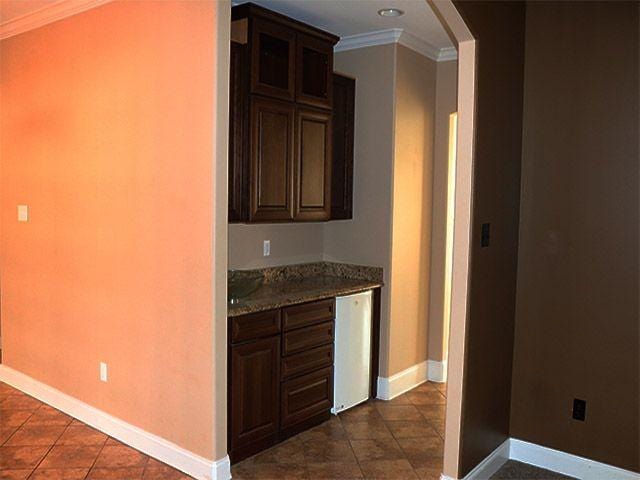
(338, 451)
(329, 430)
(120, 473)
(388, 470)
(46, 415)
(367, 430)
(412, 429)
(60, 474)
(81, 435)
(399, 412)
(433, 397)
(334, 471)
(113, 456)
(377, 449)
(14, 474)
(428, 472)
(6, 390)
(5, 433)
(432, 412)
(424, 449)
(361, 413)
(19, 458)
(14, 418)
(289, 452)
(19, 402)
(67, 456)
(44, 435)
(271, 471)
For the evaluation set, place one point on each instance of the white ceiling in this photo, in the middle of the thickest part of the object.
(347, 18)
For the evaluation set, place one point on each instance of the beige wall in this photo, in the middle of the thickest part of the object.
(366, 239)
(446, 97)
(290, 243)
(415, 104)
(577, 312)
(111, 145)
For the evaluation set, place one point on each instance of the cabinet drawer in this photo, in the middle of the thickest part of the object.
(305, 314)
(306, 338)
(304, 397)
(307, 361)
(254, 325)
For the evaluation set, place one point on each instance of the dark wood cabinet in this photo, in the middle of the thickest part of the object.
(273, 59)
(280, 382)
(254, 394)
(314, 67)
(306, 396)
(344, 93)
(280, 112)
(272, 153)
(312, 174)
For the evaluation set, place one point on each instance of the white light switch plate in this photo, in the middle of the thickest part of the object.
(104, 373)
(23, 213)
(266, 248)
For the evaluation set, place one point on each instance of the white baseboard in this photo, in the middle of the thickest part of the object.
(566, 463)
(391, 387)
(488, 466)
(148, 443)
(437, 371)
(547, 458)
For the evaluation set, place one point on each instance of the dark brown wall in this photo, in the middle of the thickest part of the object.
(577, 309)
(499, 30)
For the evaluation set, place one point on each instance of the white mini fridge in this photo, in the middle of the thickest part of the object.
(352, 351)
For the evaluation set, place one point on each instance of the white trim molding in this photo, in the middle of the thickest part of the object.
(489, 465)
(437, 371)
(400, 36)
(148, 443)
(49, 13)
(566, 463)
(547, 458)
(391, 387)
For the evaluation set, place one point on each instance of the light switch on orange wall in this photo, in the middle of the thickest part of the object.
(23, 213)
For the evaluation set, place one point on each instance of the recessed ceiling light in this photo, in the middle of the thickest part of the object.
(390, 12)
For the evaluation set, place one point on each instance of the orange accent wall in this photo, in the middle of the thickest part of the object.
(106, 122)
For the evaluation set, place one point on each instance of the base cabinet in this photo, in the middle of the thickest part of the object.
(306, 397)
(280, 374)
(255, 367)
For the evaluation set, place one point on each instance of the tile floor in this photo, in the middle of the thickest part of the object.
(38, 442)
(401, 439)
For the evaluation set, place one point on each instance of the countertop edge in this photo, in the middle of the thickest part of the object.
(302, 298)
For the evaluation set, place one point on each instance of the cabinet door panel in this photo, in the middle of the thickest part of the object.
(254, 398)
(313, 166)
(306, 396)
(273, 60)
(314, 69)
(271, 160)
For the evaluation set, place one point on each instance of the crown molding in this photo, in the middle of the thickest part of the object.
(369, 39)
(49, 13)
(396, 35)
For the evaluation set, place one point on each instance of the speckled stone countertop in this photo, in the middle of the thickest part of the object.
(292, 284)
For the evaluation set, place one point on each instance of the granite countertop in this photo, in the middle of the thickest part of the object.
(294, 284)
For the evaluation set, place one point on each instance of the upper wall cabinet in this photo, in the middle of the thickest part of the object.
(281, 118)
(273, 59)
(314, 65)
